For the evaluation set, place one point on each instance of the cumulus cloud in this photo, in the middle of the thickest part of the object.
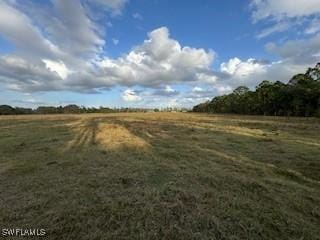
(239, 68)
(157, 63)
(159, 60)
(21, 75)
(251, 72)
(69, 39)
(59, 45)
(57, 67)
(130, 95)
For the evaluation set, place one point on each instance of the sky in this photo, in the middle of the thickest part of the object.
(150, 53)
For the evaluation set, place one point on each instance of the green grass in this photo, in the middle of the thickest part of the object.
(161, 176)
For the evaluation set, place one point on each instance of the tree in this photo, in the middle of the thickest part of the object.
(7, 110)
(299, 97)
(72, 108)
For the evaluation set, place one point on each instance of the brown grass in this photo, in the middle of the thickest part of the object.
(161, 176)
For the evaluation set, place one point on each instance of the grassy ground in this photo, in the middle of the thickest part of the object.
(161, 176)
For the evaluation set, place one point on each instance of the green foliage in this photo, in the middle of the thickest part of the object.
(75, 109)
(300, 97)
(69, 109)
(8, 110)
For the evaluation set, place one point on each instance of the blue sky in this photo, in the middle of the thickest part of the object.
(149, 53)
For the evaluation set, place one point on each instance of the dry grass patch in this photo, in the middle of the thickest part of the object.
(114, 137)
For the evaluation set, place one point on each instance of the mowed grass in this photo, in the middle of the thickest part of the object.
(161, 176)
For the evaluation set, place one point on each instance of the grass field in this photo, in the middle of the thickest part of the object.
(161, 176)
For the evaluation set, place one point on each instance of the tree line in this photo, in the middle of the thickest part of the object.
(75, 109)
(69, 109)
(299, 97)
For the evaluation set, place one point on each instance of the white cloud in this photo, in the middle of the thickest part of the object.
(115, 6)
(295, 55)
(197, 89)
(314, 27)
(223, 89)
(159, 60)
(207, 77)
(130, 95)
(18, 29)
(251, 72)
(67, 42)
(278, 10)
(286, 14)
(137, 16)
(51, 33)
(21, 75)
(202, 94)
(58, 67)
(238, 68)
(279, 27)
(302, 51)
(75, 33)
(167, 91)
(157, 63)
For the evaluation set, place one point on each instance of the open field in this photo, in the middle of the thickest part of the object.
(161, 176)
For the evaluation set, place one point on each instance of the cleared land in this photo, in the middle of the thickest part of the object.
(161, 176)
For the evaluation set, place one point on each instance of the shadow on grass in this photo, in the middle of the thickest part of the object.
(248, 147)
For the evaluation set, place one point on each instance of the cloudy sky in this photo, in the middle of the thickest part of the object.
(148, 53)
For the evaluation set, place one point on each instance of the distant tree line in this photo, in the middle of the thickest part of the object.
(75, 109)
(69, 109)
(299, 97)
